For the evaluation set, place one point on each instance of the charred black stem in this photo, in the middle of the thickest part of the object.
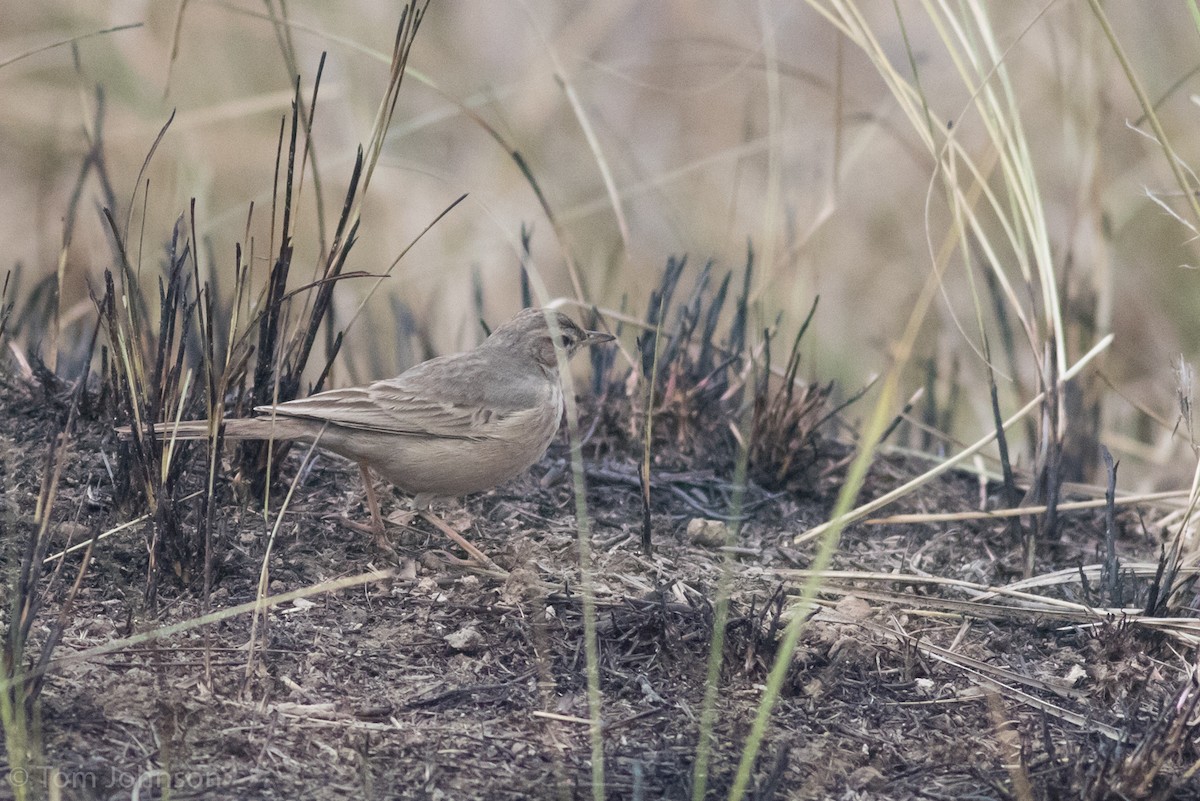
(1110, 579)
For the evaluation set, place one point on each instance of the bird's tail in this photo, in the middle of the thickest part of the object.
(243, 428)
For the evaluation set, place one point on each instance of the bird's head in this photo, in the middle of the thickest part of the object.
(539, 332)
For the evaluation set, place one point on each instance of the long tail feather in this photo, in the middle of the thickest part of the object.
(246, 428)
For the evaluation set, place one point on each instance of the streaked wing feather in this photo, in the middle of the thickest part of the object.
(401, 405)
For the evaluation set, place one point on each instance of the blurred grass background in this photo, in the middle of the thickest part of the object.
(721, 123)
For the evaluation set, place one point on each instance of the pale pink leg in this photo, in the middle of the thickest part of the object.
(476, 554)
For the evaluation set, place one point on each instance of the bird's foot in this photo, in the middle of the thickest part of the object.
(477, 560)
(401, 517)
(378, 536)
(354, 525)
(478, 557)
(381, 542)
(439, 558)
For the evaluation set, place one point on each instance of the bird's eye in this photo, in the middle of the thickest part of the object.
(565, 341)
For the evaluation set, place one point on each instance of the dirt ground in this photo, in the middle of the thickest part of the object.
(443, 684)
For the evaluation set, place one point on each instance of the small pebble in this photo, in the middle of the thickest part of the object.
(466, 640)
(708, 533)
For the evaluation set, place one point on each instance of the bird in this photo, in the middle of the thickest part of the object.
(450, 426)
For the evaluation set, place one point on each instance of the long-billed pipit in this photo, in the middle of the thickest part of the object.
(447, 427)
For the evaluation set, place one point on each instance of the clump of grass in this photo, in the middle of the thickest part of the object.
(149, 378)
(162, 362)
(702, 383)
(691, 368)
(784, 450)
(176, 370)
(724, 404)
(22, 675)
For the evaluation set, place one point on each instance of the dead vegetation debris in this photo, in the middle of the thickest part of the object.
(448, 685)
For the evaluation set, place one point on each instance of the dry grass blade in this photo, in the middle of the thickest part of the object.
(721, 612)
(6, 307)
(72, 40)
(406, 32)
(649, 373)
(1018, 604)
(992, 677)
(255, 606)
(1021, 511)
(127, 525)
(1173, 161)
(1035, 403)
(1136, 772)
(264, 575)
(283, 35)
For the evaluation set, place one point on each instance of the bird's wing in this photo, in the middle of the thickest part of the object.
(448, 397)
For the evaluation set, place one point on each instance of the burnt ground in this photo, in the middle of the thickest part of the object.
(443, 684)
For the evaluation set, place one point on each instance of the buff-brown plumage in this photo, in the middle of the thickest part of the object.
(446, 427)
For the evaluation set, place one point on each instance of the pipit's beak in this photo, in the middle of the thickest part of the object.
(596, 337)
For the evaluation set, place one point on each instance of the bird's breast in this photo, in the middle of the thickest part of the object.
(534, 428)
(503, 447)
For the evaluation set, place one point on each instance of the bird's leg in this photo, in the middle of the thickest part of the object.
(476, 554)
(376, 527)
(372, 501)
